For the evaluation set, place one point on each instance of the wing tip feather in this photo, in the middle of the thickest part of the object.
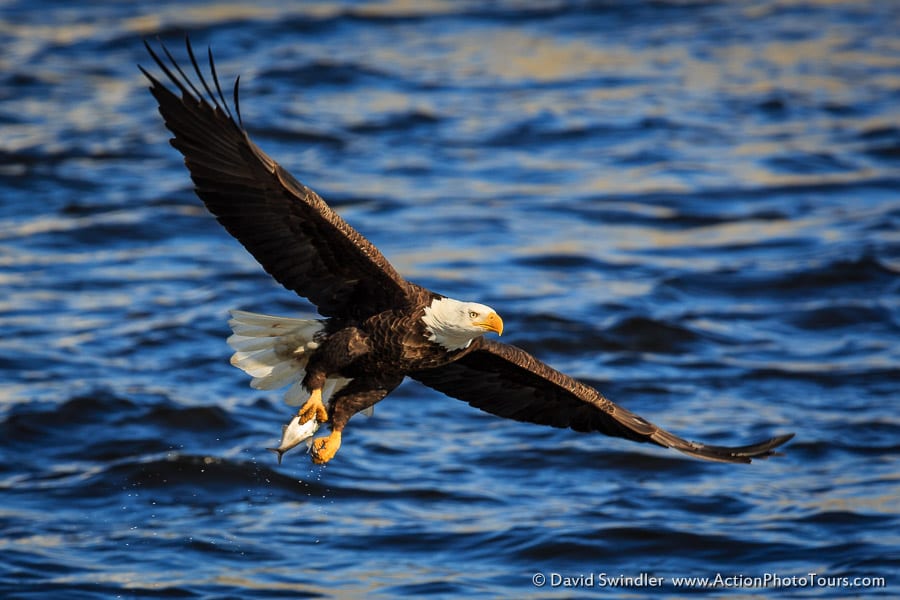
(734, 454)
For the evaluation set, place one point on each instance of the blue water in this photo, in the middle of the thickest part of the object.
(693, 207)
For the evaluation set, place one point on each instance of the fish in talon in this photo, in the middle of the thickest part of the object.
(293, 434)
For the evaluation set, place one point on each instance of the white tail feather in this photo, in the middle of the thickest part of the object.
(257, 364)
(275, 351)
(280, 375)
(249, 318)
(243, 343)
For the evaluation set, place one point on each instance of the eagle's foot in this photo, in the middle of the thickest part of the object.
(313, 408)
(324, 449)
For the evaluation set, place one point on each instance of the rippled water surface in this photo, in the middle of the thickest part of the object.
(692, 206)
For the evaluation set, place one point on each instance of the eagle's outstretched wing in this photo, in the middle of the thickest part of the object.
(286, 226)
(508, 382)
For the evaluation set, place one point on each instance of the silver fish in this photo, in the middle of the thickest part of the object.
(294, 434)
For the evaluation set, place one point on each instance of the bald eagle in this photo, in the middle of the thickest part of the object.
(377, 327)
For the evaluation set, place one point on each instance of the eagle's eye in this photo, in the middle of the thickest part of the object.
(472, 314)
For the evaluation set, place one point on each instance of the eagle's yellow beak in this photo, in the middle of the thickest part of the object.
(492, 322)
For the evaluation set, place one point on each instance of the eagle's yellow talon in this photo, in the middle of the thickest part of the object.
(313, 408)
(324, 449)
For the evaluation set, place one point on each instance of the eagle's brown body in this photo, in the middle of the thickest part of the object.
(379, 327)
(376, 353)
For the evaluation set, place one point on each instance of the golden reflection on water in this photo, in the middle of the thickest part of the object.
(816, 69)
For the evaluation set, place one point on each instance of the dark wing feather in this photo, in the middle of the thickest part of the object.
(286, 226)
(508, 382)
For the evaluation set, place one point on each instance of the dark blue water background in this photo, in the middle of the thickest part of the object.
(692, 206)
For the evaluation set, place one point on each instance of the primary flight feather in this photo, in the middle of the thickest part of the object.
(378, 328)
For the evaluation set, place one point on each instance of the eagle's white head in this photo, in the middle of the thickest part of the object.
(454, 324)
